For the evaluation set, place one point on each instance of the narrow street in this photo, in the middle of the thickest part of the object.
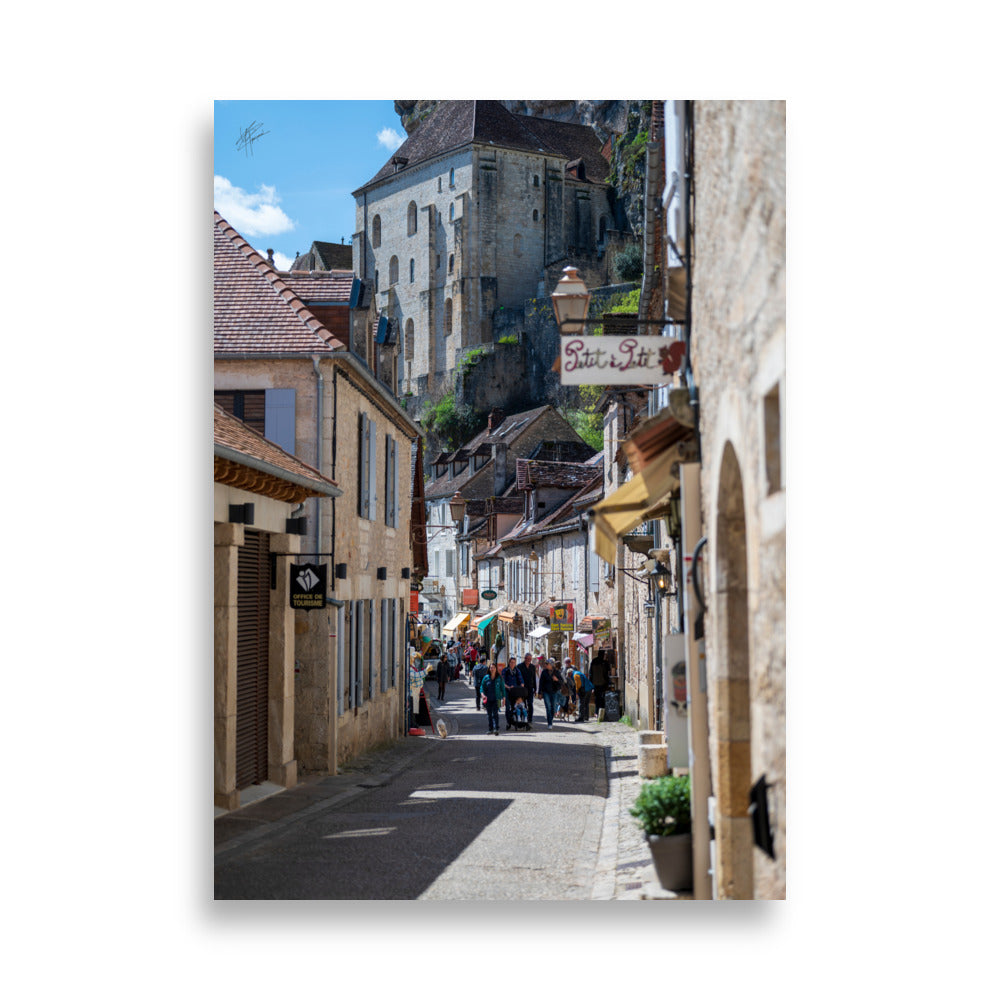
(522, 816)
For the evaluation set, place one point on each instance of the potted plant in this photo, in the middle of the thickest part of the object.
(663, 809)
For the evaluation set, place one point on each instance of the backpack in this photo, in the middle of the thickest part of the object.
(583, 682)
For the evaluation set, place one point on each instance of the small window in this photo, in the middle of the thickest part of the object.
(517, 244)
(377, 231)
(451, 263)
(437, 262)
(447, 316)
(534, 215)
(535, 180)
(376, 280)
(772, 440)
(411, 218)
(393, 270)
(451, 212)
(412, 269)
(451, 177)
(439, 185)
(408, 345)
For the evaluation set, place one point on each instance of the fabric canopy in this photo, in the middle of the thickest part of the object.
(539, 632)
(632, 503)
(457, 622)
(483, 623)
(583, 638)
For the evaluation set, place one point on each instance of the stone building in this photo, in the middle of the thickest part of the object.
(476, 211)
(699, 479)
(258, 489)
(483, 471)
(282, 370)
(738, 355)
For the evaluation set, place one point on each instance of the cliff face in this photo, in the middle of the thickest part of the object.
(624, 122)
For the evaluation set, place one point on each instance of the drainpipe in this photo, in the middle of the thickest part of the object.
(319, 442)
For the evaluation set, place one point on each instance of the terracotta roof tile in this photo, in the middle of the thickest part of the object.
(233, 433)
(320, 286)
(255, 311)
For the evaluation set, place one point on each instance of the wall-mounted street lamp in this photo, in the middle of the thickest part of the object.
(457, 507)
(571, 300)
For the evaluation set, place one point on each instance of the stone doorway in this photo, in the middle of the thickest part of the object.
(731, 696)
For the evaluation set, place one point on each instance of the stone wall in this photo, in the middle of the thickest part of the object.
(738, 357)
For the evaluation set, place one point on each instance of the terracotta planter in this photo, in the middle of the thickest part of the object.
(672, 859)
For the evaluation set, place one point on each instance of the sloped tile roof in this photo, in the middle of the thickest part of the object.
(562, 475)
(454, 124)
(233, 434)
(255, 310)
(509, 430)
(320, 286)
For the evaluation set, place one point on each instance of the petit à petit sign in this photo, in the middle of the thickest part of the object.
(596, 360)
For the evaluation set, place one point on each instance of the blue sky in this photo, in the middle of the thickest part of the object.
(294, 184)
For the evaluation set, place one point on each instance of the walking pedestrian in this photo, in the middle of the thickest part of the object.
(548, 686)
(599, 678)
(442, 675)
(581, 683)
(494, 695)
(478, 673)
(530, 679)
(512, 678)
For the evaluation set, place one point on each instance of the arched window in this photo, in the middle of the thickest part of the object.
(411, 218)
(451, 212)
(517, 244)
(393, 270)
(408, 345)
(447, 316)
(377, 231)
(451, 177)
(412, 269)
(534, 215)
(535, 181)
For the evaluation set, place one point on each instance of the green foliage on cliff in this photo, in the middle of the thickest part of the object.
(451, 423)
(628, 263)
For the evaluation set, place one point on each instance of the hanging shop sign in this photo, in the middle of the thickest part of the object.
(307, 587)
(594, 360)
(489, 595)
(561, 618)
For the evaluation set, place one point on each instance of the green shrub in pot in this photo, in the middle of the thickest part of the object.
(663, 806)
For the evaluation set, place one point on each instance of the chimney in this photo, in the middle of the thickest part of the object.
(270, 256)
(499, 467)
(494, 420)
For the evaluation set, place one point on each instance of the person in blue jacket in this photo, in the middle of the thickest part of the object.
(494, 695)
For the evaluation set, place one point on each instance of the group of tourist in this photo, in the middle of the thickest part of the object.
(565, 690)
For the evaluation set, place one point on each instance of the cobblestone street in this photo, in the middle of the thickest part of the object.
(528, 815)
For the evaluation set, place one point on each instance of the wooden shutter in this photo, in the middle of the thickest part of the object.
(359, 644)
(279, 418)
(384, 645)
(341, 665)
(363, 431)
(370, 660)
(372, 470)
(252, 602)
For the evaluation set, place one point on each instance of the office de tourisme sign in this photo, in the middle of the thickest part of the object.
(596, 360)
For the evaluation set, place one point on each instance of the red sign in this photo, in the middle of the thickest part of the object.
(414, 603)
(470, 598)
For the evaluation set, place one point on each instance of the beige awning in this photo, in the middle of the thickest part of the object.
(457, 622)
(633, 503)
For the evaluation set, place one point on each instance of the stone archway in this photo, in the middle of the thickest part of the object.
(731, 695)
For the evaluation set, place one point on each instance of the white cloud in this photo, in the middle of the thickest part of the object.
(251, 214)
(391, 139)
